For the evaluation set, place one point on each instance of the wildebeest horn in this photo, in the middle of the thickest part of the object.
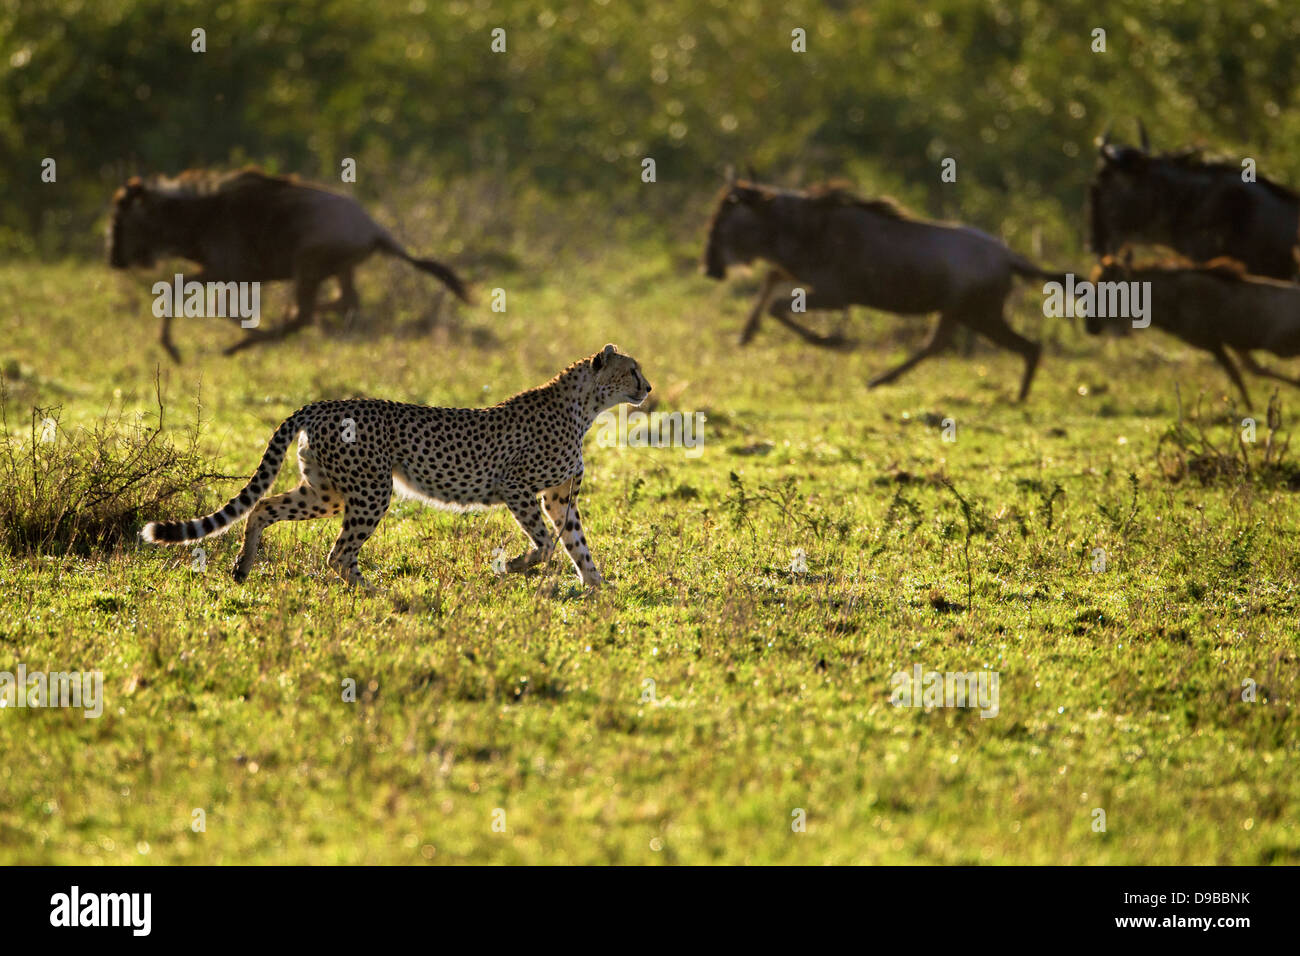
(1142, 135)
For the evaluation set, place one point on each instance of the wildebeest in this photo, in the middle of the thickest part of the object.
(844, 250)
(1201, 209)
(1216, 307)
(248, 226)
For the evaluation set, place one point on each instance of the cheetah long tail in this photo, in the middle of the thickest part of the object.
(171, 532)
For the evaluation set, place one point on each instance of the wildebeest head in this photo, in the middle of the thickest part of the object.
(1110, 269)
(1121, 198)
(737, 227)
(132, 230)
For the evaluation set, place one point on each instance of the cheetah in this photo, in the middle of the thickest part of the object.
(354, 453)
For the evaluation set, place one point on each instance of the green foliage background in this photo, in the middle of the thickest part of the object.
(886, 89)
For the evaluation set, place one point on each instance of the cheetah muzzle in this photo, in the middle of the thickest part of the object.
(352, 455)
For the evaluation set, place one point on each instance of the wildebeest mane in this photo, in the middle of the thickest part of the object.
(827, 195)
(202, 183)
(1193, 160)
(1224, 266)
(205, 182)
(839, 193)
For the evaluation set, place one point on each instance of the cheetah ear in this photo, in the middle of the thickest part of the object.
(600, 358)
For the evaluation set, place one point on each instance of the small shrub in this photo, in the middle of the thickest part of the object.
(90, 489)
(1187, 451)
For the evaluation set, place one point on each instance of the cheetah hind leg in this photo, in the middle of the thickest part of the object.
(301, 504)
(361, 517)
(529, 516)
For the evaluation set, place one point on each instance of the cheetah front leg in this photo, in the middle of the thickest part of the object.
(523, 505)
(562, 507)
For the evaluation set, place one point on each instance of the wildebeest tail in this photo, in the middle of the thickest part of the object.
(172, 532)
(1027, 270)
(432, 266)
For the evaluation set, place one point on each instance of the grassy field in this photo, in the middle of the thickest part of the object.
(1120, 690)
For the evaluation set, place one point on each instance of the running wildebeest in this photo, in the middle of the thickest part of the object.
(1200, 209)
(1216, 307)
(248, 226)
(849, 251)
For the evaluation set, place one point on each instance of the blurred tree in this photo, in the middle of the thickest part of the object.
(1010, 89)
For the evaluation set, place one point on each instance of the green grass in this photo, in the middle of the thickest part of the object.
(1118, 690)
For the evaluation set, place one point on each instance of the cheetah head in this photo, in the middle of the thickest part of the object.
(617, 378)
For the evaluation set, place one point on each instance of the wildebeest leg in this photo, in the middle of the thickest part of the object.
(807, 334)
(780, 310)
(306, 287)
(939, 340)
(842, 328)
(308, 283)
(967, 343)
(348, 299)
(1248, 361)
(770, 282)
(165, 338)
(1222, 357)
(995, 329)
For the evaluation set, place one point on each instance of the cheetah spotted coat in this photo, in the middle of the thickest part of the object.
(353, 453)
